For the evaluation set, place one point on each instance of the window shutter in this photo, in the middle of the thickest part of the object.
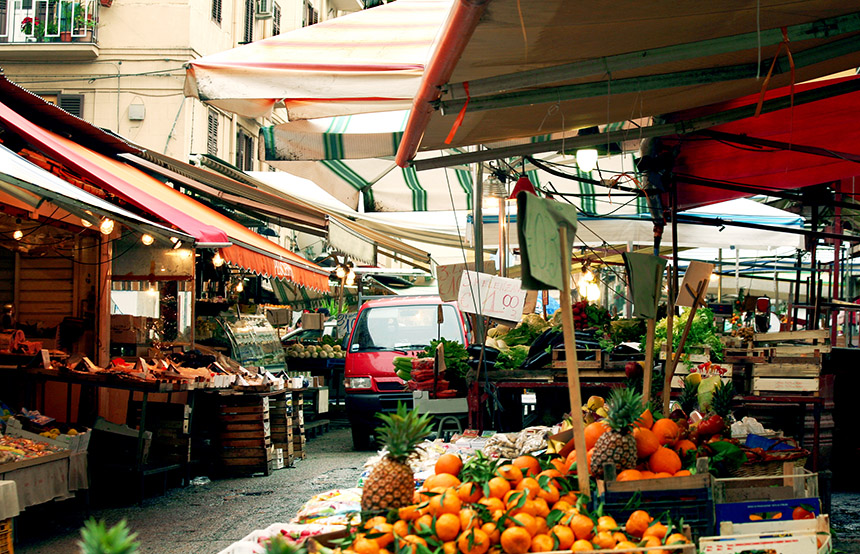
(212, 134)
(216, 11)
(240, 149)
(72, 103)
(276, 20)
(249, 21)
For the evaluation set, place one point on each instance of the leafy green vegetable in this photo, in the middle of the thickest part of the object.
(724, 457)
(512, 358)
(455, 356)
(701, 333)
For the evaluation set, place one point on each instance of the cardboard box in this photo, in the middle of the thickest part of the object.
(121, 322)
(313, 321)
(767, 510)
(424, 404)
(75, 443)
(807, 536)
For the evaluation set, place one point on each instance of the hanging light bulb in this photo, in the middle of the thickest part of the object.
(350, 278)
(586, 159)
(147, 239)
(106, 226)
(174, 240)
(217, 260)
(177, 245)
(18, 234)
(240, 287)
(592, 292)
(340, 272)
(153, 290)
(86, 223)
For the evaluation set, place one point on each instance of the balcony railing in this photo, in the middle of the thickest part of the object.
(28, 21)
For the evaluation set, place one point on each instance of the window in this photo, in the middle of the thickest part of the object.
(212, 134)
(248, 35)
(216, 11)
(276, 20)
(311, 16)
(72, 103)
(244, 151)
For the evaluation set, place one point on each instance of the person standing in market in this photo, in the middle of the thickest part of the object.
(7, 317)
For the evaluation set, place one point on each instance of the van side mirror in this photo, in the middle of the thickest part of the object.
(345, 342)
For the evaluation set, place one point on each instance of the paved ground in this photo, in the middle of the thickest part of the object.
(206, 519)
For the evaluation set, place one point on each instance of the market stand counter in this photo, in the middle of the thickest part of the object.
(55, 476)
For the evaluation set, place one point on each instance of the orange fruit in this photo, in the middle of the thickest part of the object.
(446, 503)
(493, 503)
(542, 527)
(582, 546)
(646, 420)
(526, 521)
(606, 523)
(553, 475)
(542, 543)
(564, 535)
(624, 545)
(656, 529)
(511, 473)
(492, 531)
(528, 507)
(593, 432)
(569, 497)
(664, 460)
(560, 464)
(411, 542)
(473, 541)
(469, 492)
(646, 442)
(469, 519)
(650, 540)
(423, 523)
(374, 521)
(676, 538)
(648, 474)
(450, 464)
(685, 445)
(450, 547)
(604, 540)
(515, 540)
(444, 480)
(365, 546)
(447, 527)
(666, 430)
(541, 507)
(529, 465)
(562, 506)
(383, 534)
(550, 494)
(408, 513)
(682, 473)
(498, 487)
(662, 475)
(630, 475)
(582, 527)
(619, 536)
(530, 485)
(400, 528)
(637, 523)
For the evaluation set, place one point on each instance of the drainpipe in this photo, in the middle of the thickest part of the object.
(456, 34)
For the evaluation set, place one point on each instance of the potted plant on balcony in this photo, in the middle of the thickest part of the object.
(84, 24)
(28, 25)
(66, 20)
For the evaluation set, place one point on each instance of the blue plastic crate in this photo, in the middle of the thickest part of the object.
(695, 506)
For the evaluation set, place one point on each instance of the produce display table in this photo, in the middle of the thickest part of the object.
(9, 506)
(53, 477)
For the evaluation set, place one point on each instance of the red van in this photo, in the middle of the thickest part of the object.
(383, 329)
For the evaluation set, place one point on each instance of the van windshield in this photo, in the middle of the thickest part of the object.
(404, 327)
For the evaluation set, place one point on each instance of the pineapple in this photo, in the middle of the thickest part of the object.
(721, 403)
(689, 396)
(391, 484)
(618, 446)
(97, 539)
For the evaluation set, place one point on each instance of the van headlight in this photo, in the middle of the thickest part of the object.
(358, 383)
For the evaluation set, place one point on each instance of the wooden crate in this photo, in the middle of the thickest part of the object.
(747, 355)
(585, 359)
(245, 435)
(6, 536)
(169, 425)
(782, 385)
(793, 362)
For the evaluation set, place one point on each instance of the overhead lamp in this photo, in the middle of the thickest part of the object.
(106, 226)
(18, 234)
(340, 272)
(715, 277)
(147, 239)
(174, 240)
(350, 278)
(586, 159)
(177, 245)
(86, 223)
(153, 290)
(217, 260)
(240, 287)
(592, 292)
(494, 186)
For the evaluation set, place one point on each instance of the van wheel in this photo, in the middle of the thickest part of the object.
(360, 438)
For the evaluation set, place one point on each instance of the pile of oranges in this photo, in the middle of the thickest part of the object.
(658, 446)
(514, 508)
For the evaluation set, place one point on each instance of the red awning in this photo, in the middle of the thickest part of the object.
(249, 250)
(829, 124)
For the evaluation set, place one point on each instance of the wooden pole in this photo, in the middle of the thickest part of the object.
(651, 324)
(670, 367)
(582, 469)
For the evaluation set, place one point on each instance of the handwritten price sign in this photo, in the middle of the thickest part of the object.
(491, 296)
(540, 252)
(448, 278)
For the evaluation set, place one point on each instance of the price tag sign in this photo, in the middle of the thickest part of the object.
(538, 233)
(696, 273)
(491, 296)
(448, 278)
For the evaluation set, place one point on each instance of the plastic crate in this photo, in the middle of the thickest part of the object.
(695, 506)
(6, 536)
